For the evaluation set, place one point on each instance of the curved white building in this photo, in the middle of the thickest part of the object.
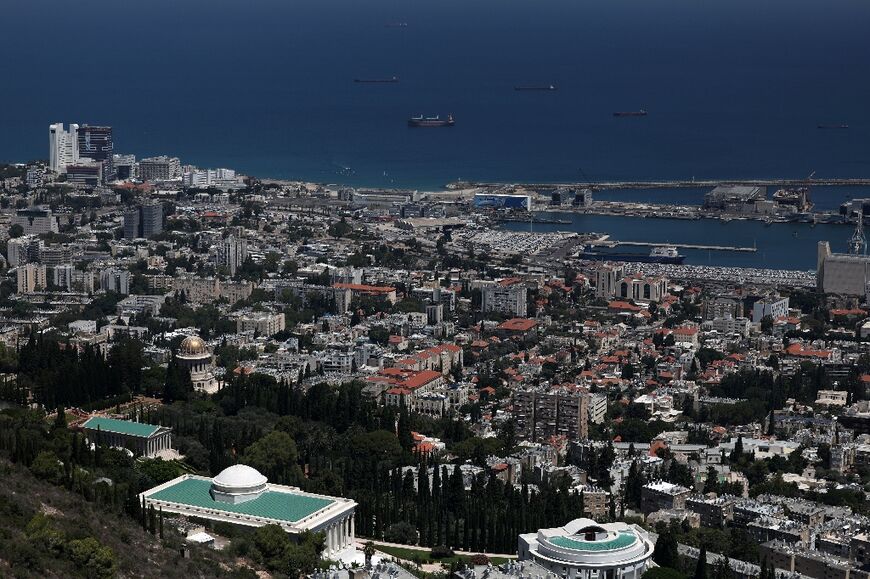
(195, 356)
(584, 549)
(241, 495)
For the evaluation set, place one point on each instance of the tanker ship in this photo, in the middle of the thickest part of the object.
(435, 121)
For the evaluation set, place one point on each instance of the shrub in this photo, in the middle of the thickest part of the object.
(96, 560)
(441, 552)
(401, 532)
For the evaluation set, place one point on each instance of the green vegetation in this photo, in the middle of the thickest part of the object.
(662, 573)
(735, 542)
(272, 547)
(49, 531)
(58, 375)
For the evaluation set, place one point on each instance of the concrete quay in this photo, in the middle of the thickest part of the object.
(685, 246)
(686, 183)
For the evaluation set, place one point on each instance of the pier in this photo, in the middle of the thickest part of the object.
(684, 184)
(685, 246)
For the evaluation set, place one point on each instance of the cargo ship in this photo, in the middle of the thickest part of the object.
(841, 126)
(435, 121)
(377, 80)
(640, 113)
(661, 254)
(546, 87)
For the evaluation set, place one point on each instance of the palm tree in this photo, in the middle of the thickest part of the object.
(369, 551)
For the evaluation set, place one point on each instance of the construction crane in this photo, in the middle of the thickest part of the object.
(858, 242)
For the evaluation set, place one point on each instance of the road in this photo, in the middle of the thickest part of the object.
(360, 542)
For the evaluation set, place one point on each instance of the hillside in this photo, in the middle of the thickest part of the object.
(47, 531)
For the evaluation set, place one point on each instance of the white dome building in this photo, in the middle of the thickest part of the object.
(241, 495)
(584, 549)
(237, 484)
(194, 355)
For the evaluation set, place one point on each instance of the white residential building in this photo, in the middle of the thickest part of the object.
(63, 147)
(507, 296)
(775, 307)
(35, 221)
(232, 253)
(160, 168)
(607, 277)
(115, 280)
(31, 278)
(21, 250)
(597, 408)
(264, 324)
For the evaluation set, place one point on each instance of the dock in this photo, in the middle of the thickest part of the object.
(685, 246)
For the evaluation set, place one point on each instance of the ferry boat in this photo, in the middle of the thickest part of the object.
(640, 113)
(658, 254)
(435, 121)
(392, 79)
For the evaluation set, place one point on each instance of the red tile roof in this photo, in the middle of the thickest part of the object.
(799, 351)
(509, 281)
(375, 289)
(621, 305)
(518, 325)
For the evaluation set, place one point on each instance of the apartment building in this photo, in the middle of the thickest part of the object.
(558, 411)
(507, 296)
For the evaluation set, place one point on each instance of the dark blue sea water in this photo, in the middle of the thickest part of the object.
(779, 245)
(733, 89)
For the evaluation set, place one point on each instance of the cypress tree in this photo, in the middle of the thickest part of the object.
(152, 520)
(665, 552)
(701, 566)
(404, 428)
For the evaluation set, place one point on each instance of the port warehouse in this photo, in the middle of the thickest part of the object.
(502, 200)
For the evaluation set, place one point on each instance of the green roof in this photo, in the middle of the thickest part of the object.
(623, 539)
(290, 507)
(120, 426)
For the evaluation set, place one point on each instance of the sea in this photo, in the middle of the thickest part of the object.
(733, 89)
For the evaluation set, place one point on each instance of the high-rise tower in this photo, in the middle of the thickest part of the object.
(63, 147)
(95, 143)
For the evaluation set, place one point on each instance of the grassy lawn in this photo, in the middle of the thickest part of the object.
(422, 557)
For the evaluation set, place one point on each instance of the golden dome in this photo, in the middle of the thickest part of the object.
(192, 346)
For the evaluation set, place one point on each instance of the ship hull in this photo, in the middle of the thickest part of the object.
(632, 257)
(429, 124)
